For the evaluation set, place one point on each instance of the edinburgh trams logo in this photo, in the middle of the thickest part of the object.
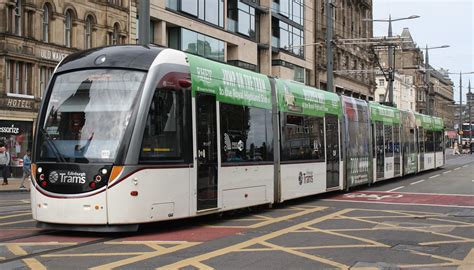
(67, 177)
(53, 177)
(305, 177)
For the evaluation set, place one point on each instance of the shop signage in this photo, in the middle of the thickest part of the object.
(50, 55)
(10, 129)
(16, 103)
(19, 103)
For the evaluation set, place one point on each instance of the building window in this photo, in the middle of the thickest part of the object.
(381, 82)
(88, 32)
(115, 35)
(299, 74)
(18, 78)
(289, 38)
(14, 18)
(246, 134)
(241, 18)
(115, 2)
(292, 9)
(211, 11)
(381, 98)
(193, 42)
(45, 75)
(68, 29)
(46, 13)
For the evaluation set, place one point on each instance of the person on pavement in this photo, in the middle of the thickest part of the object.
(26, 168)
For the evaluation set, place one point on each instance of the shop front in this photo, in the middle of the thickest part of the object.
(17, 137)
(16, 129)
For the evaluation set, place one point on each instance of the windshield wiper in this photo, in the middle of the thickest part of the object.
(52, 145)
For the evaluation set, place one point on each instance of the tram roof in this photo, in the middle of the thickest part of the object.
(122, 56)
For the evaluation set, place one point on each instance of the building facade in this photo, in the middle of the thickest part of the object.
(275, 37)
(34, 36)
(404, 94)
(353, 64)
(409, 60)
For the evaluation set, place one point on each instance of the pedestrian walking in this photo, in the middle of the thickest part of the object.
(456, 149)
(4, 163)
(26, 168)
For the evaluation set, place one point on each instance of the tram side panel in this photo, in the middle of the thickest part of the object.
(234, 133)
(358, 148)
(409, 143)
(309, 140)
(150, 195)
(438, 127)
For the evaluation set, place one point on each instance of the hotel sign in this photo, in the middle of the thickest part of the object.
(50, 55)
(19, 104)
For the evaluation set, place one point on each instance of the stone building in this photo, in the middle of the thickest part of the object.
(34, 36)
(409, 60)
(404, 94)
(349, 60)
(273, 37)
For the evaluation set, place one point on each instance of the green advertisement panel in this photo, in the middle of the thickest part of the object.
(230, 84)
(438, 124)
(384, 114)
(296, 97)
(424, 121)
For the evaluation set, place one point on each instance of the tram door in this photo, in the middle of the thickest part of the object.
(379, 150)
(332, 152)
(421, 143)
(206, 128)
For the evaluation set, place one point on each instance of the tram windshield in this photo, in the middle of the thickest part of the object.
(87, 115)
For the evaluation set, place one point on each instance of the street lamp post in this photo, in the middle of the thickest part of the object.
(469, 106)
(329, 48)
(390, 55)
(429, 107)
(460, 100)
(144, 22)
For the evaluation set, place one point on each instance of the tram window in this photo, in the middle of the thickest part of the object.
(302, 138)
(396, 139)
(421, 140)
(247, 134)
(379, 149)
(388, 141)
(438, 141)
(429, 141)
(167, 136)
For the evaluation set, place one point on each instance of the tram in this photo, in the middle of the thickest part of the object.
(135, 134)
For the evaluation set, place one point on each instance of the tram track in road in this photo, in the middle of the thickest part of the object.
(25, 236)
(54, 250)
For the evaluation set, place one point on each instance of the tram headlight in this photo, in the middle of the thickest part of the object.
(40, 170)
(41, 177)
(104, 171)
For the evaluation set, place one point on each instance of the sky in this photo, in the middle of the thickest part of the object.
(441, 22)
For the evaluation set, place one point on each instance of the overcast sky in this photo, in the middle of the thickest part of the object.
(442, 22)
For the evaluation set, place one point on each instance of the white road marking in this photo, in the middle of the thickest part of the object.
(457, 168)
(447, 172)
(414, 183)
(434, 176)
(465, 166)
(395, 189)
